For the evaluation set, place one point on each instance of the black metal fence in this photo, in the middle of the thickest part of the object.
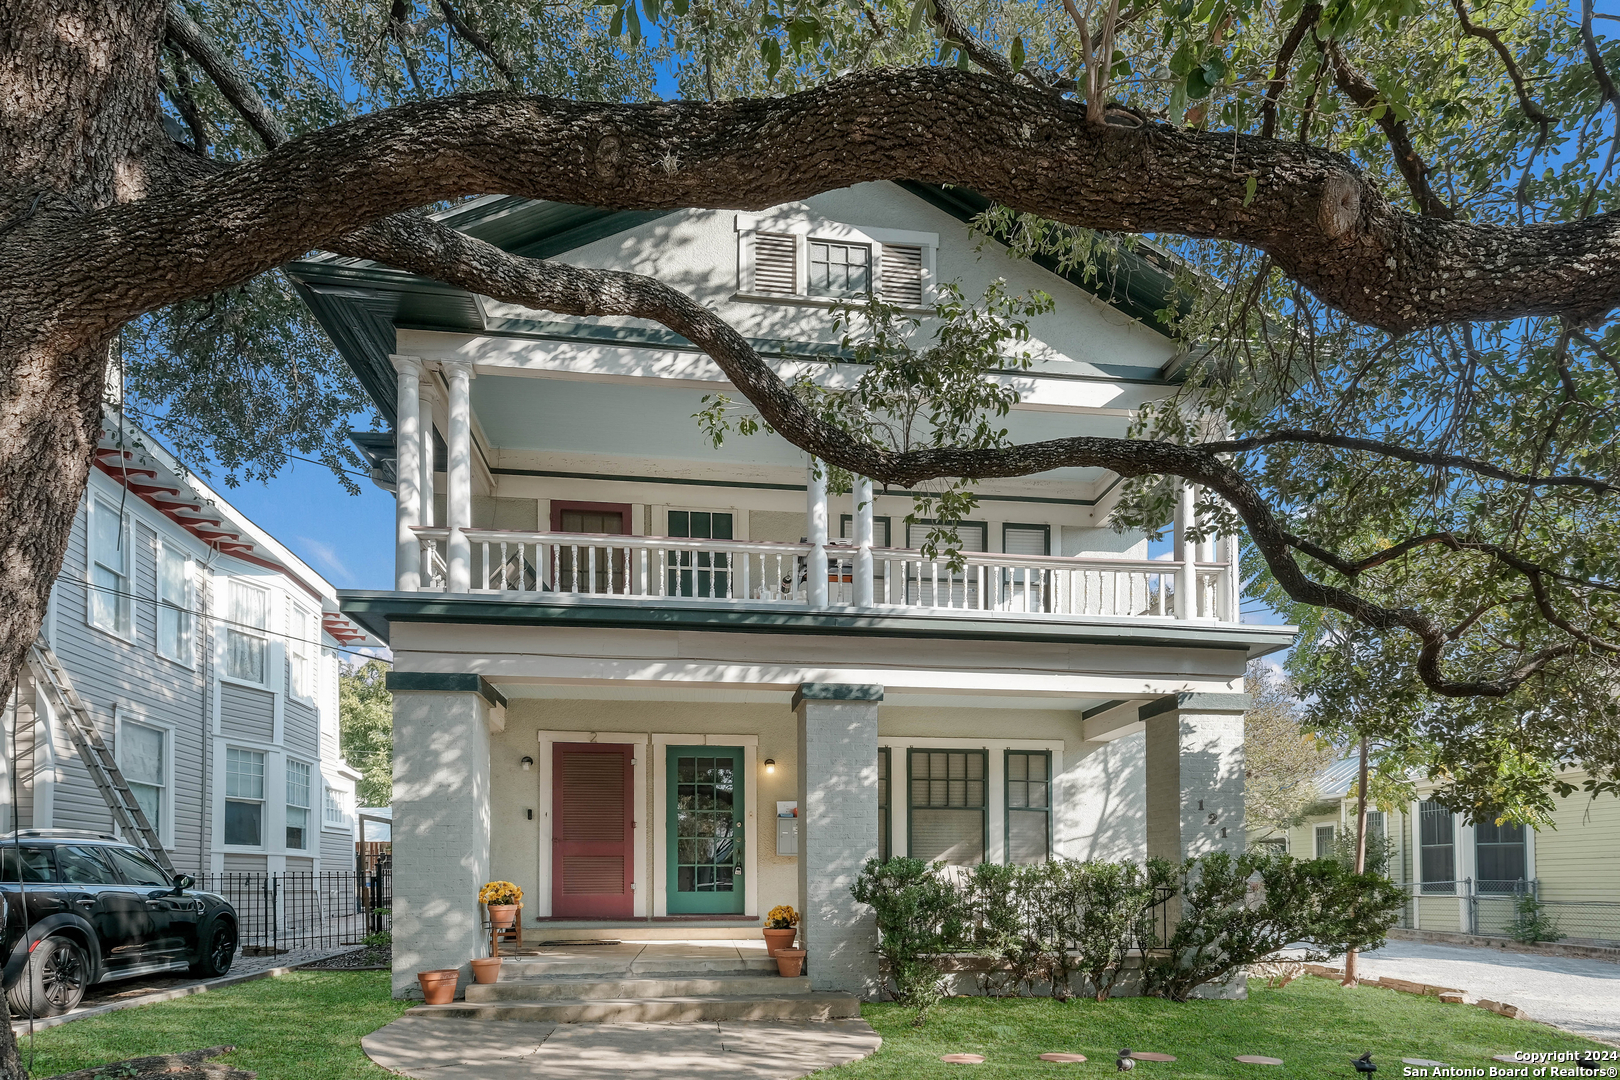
(278, 913)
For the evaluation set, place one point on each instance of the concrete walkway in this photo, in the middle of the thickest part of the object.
(1582, 996)
(432, 1048)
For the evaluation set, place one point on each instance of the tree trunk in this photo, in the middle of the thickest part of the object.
(1361, 849)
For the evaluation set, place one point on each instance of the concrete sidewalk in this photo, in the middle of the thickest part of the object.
(1582, 996)
(432, 1048)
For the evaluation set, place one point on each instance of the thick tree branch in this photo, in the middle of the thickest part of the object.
(1403, 453)
(243, 96)
(1360, 89)
(1320, 220)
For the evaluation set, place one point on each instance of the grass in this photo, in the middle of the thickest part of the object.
(1313, 1025)
(308, 1026)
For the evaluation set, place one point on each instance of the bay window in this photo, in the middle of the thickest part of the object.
(176, 601)
(244, 797)
(247, 617)
(297, 805)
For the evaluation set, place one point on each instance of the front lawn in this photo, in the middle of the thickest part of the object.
(303, 1026)
(1313, 1025)
(308, 1026)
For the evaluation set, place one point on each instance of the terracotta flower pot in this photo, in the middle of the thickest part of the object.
(502, 916)
(790, 963)
(778, 939)
(486, 969)
(438, 987)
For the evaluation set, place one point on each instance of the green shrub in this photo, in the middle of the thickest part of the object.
(381, 939)
(1237, 910)
(1531, 923)
(1116, 914)
(919, 923)
(996, 902)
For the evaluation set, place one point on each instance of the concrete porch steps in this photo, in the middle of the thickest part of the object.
(587, 988)
(661, 1010)
(577, 966)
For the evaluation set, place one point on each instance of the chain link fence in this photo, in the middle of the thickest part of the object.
(1513, 909)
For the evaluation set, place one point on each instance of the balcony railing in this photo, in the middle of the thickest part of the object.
(676, 570)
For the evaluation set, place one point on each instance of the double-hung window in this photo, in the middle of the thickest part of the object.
(143, 758)
(700, 573)
(247, 618)
(176, 601)
(244, 797)
(1499, 856)
(1029, 806)
(1324, 841)
(297, 805)
(1437, 848)
(109, 605)
(334, 808)
(301, 646)
(947, 811)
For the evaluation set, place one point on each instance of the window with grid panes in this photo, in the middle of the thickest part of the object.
(176, 599)
(246, 647)
(109, 597)
(1437, 847)
(244, 797)
(700, 573)
(1029, 806)
(297, 805)
(946, 816)
(1324, 841)
(885, 848)
(839, 269)
(1499, 856)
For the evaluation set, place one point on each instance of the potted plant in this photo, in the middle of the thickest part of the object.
(501, 899)
(779, 928)
(438, 987)
(790, 963)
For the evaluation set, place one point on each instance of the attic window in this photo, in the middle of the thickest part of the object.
(841, 270)
(903, 274)
(774, 263)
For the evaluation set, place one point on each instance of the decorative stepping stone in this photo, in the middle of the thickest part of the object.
(1422, 1061)
(963, 1059)
(1063, 1057)
(1257, 1059)
(1143, 1055)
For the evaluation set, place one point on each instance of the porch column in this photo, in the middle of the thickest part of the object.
(1186, 553)
(407, 474)
(425, 400)
(1232, 582)
(458, 475)
(442, 725)
(1194, 760)
(816, 518)
(862, 494)
(838, 832)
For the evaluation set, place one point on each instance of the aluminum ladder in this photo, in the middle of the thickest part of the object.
(51, 677)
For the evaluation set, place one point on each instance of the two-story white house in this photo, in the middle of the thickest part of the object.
(207, 654)
(657, 683)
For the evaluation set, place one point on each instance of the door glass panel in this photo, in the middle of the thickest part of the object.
(700, 573)
(138, 869)
(706, 823)
(33, 865)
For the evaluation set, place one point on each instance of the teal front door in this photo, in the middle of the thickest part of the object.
(705, 816)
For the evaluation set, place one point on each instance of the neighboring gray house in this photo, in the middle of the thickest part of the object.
(207, 653)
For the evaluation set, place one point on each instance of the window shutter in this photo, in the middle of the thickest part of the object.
(971, 535)
(902, 274)
(774, 264)
(1022, 540)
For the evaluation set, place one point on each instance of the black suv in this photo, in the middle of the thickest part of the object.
(83, 908)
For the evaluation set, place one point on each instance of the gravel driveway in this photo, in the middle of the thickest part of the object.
(1582, 996)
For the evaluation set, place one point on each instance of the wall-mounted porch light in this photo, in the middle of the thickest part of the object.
(527, 763)
(770, 765)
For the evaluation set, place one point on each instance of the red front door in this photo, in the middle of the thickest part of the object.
(593, 831)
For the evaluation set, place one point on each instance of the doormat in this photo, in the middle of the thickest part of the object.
(577, 941)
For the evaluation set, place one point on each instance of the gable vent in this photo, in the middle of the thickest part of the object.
(902, 274)
(774, 264)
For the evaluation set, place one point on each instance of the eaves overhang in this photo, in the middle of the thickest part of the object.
(377, 611)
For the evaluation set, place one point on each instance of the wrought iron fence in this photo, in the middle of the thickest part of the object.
(1515, 908)
(277, 913)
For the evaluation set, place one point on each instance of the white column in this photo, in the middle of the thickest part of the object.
(425, 400)
(862, 493)
(458, 475)
(407, 475)
(1232, 582)
(816, 514)
(1186, 553)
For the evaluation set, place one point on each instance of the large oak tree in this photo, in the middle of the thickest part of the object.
(1393, 224)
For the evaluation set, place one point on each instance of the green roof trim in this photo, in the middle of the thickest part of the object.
(1195, 703)
(444, 682)
(829, 691)
(376, 610)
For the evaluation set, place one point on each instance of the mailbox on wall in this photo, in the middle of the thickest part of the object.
(787, 829)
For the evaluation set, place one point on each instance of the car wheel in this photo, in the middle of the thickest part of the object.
(219, 954)
(54, 981)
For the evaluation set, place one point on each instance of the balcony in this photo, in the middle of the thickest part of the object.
(810, 577)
